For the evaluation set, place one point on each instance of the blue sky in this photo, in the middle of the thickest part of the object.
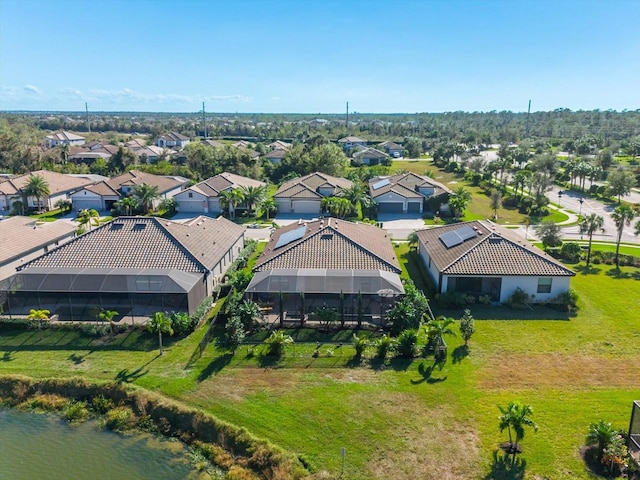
(312, 56)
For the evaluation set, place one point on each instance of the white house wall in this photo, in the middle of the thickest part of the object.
(284, 205)
(429, 265)
(392, 197)
(530, 286)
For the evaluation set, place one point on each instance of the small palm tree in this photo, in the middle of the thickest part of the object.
(37, 187)
(126, 205)
(160, 323)
(459, 201)
(601, 433)
(253, 196)
(589, 225)
(436, 331)
(269, 206)
(145, 195)
(277, 343)
(88, 217)
(107, 316)
(622, 216)
(356, 195)
(412, 238)
(516, 416)
(39, 316)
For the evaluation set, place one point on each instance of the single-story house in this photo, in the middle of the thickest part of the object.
(63, 138)
(392, 149)
(278, 145)
(482, 258)
(246, 147)
(212, 143)
(305, 194)
(276, 156)
(351, 142)
(325, 260)
(24, 238)
(204, 197)
(369, 156)
(101, 196)
(172, 140)
(405, 192)
(133, 265)
(61, 186)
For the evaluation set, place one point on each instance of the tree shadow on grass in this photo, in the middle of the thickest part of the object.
(591, 270)
(460, 353)
(76, 359)
(619, 274)
(427, 373)
(7, 356)
(126, 376)
(215, 366)
(505, 467)
(400, 364)
(355, 361)
(269, 361)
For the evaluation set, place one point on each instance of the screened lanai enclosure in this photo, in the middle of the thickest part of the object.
(634, 432)
(79, 294)
(350, 294)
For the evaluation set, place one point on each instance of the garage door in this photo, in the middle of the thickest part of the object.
(390, 207)
(87, 205)
(191, 207)
(414, 207)
(306, 207)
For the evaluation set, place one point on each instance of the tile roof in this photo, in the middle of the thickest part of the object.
(332, 244)
(135, 177)
(64, 136)
(370, 153)
(19, 235)
(213, 143)
(406, 185)
(279, 145)
(146, 243)
(175, 136)
(390, 145)
(352, 139)
(58, 182)
(212, 187)
(309, 184)
(277, 153)
(494, 251)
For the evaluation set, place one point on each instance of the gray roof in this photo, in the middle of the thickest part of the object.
(352, 139)
(146, 243)
(20, 235)
(211, 187)
(406, 185)
(175, 136)
(370, 153)
(308, 185)
(494, 250)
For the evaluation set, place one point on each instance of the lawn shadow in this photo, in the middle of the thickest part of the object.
(591, 270)
(7, 357)
(268, 361)
(126, 376)
(215, 366)
(400, 364)
(505, 467)
(355, 361)
(427, 373)
(76, 359)
(460, 353)
(619, 274)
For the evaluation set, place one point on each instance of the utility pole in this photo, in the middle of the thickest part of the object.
(86, 109)
(526, 134)
(204, 121)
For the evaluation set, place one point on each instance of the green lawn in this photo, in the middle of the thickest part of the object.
(401, 420)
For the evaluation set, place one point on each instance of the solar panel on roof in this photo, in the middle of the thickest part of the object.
(466, 233)
(381, 183)
(293, 235)
(451, 239)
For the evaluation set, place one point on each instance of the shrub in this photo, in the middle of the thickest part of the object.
(120, 419)
(570, 252)
(384, 345)
(277, 342)
(518, 298)
(360, 344)
(484, 299)
(76, 412)
(568, 300)
(407, 343)
(101, 405)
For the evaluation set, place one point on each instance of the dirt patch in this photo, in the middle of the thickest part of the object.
(573, 371)
(355, 375)
(237, 384)
(429, 447)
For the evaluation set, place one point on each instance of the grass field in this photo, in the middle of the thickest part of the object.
(401, 419)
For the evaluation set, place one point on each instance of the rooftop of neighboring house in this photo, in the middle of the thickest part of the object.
(389, 145)
(20, 235)
(311, 183)
(165, 183)
(485, 248)
(278, 145)
(370, 153)
(146, 243)
(213, 143)
(405, 185)
(174, 136)
(64, 136)
(352, 139)
(278, 153)
(212, 187)
(58, 182)
(329, 243)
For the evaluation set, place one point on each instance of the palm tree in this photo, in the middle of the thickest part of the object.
(107, 316)
(268, 206)
(601, 434)
(160, 323)
(126, 205)
(356, 195)
(231, 199)
(589, 225)
(277, 343)
(412, 238)
(39, 316)
(516, 416)
(145, 195)
(622, 215)
(496, 202)
(436, 331)
(37, 187)
(252, 196)
(88, 217)
(459, 201)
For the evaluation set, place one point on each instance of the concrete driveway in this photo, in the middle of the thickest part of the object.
(399, 227)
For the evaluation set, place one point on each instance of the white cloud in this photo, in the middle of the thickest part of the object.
(32, 90)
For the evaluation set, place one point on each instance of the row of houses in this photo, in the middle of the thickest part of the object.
(139, 265)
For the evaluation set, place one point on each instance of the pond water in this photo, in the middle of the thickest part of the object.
(34, 446)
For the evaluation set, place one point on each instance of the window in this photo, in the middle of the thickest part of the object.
(544, 285)
(146, 283)
(190, 194)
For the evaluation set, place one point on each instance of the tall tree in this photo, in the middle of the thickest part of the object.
(357, 196)
(160, 323)
(126, 205)
(268, 206)
(516, 416)
(37, 187)
(145, 194)
(622, 216)
(253, 196)
(496, 202)
(621, 182)
(590, 224)
(549, 234)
